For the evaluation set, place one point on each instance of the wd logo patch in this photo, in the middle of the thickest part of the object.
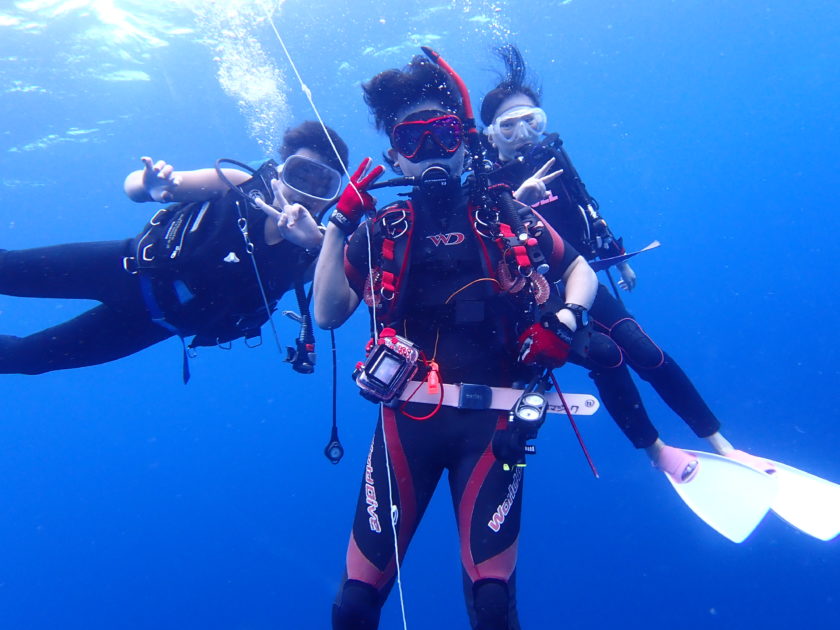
(453, 238)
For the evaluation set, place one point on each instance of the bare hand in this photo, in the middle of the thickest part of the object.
(159, 179)
(628, 276)
(294, 222)
(535, 188)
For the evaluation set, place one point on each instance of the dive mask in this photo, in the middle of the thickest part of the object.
(445, 134)
(311, 178)
(516, 127)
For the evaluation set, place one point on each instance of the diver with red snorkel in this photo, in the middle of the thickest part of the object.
(466, 319)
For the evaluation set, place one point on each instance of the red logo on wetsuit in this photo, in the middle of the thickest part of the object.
(501, 512)
(551, 197)
(453, 238)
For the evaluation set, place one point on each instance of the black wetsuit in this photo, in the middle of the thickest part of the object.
(562, 209)
(208, 289)
(473, 339)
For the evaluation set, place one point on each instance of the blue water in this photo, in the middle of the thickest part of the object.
(131, 501)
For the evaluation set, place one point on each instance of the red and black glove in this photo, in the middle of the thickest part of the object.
(545, 344)
(355, 201)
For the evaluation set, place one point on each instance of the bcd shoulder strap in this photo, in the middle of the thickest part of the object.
(396, 224)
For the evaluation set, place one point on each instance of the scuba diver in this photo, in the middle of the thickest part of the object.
(211, 266)
(460, 316)
(535, 164)
(515, 125)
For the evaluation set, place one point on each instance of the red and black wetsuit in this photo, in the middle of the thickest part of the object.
(473, 339)
(563, 210)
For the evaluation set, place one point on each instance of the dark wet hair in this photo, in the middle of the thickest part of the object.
(392, 91)
(513, 81)
(310, 135)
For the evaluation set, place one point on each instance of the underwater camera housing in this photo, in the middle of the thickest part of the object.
(388, 367)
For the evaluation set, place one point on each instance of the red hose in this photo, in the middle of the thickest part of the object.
(574, 426)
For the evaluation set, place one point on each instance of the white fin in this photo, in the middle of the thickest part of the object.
(807, 502)
(729, 496)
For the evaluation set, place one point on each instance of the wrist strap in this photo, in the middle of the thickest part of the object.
(552, 323)
(580, 312)
(343, 223)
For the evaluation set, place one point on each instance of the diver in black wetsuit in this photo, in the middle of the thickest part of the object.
(515, 126)
(189, 272)
(438, 280)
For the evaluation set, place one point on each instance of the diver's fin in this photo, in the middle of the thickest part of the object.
(730, 497)
(606, 263)
(807, 502)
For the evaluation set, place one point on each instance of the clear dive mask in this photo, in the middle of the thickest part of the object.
(516, 127)
(311, 178)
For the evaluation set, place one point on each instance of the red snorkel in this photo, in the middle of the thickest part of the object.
(473, 139)
(480, 169)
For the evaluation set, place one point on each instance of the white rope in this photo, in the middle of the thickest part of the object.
(394, 510)
(394, 515)
(305, 89)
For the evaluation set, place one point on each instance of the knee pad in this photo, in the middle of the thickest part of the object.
(604, 353)
(491, 604)
(640, 349)
(358, 607)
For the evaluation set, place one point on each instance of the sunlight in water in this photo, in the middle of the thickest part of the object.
(112, 33)
(115, 40)
(128, 23)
